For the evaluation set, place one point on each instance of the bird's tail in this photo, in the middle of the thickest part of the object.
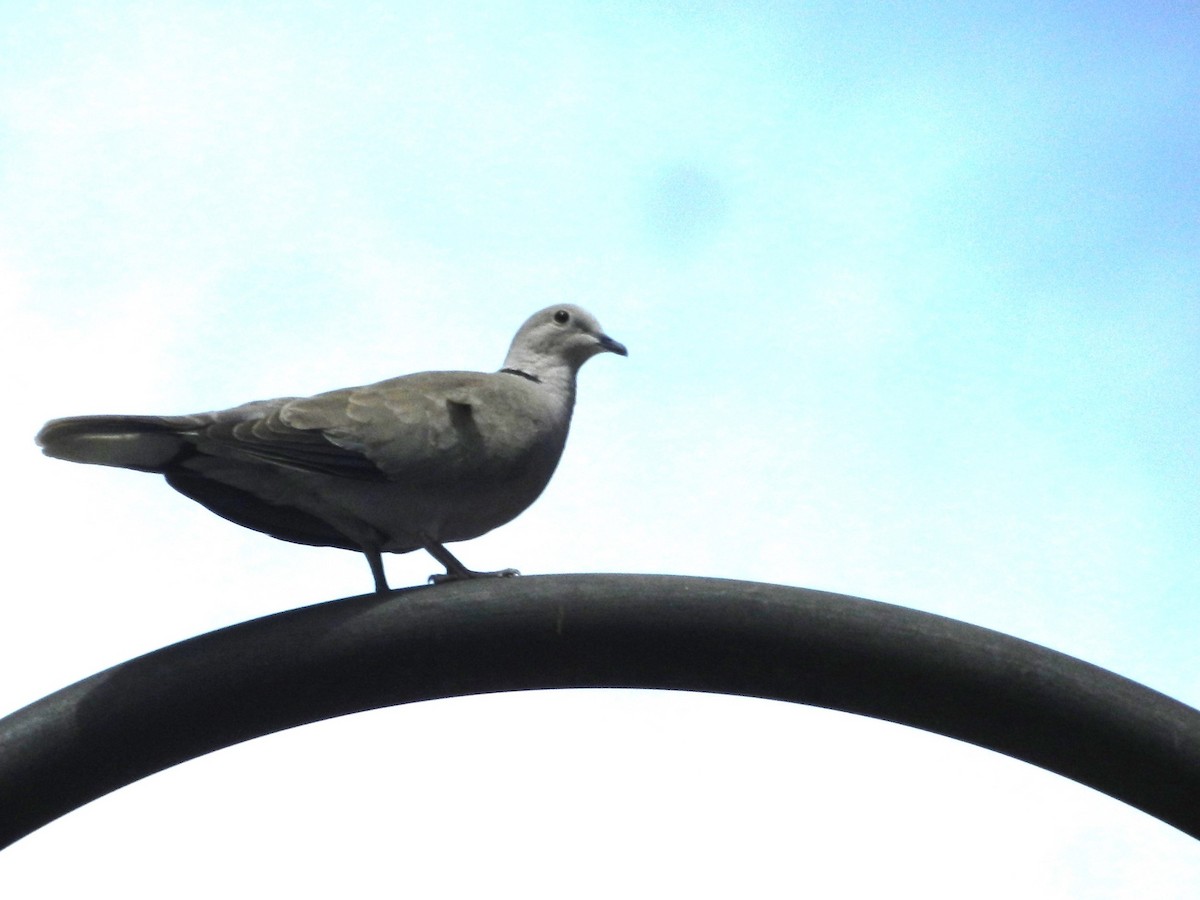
(146, 443)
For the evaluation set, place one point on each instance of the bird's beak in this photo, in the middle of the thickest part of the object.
(612, 346)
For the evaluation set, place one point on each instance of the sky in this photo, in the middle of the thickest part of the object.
(912, 298)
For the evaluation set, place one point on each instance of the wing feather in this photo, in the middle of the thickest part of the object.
(424, 429)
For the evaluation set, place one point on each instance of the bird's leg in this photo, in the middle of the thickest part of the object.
(455, 571)
(375, 561)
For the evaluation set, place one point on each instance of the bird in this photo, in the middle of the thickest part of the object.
(408, 463)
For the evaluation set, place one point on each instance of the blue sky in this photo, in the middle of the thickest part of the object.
(912, 295)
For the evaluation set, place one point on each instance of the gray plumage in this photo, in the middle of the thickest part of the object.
(409, 463)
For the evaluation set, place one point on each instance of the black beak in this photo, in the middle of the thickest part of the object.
(613, 346)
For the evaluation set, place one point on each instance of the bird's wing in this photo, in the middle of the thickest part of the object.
(431, 427)
(428, 427)
(261, 431)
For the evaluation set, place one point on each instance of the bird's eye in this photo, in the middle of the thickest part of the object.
(562, 317)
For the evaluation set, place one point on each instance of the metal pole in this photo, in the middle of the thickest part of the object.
(569, 631)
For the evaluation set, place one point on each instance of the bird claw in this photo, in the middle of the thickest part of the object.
(467, 573)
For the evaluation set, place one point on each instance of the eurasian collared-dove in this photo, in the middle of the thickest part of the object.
(411, 462)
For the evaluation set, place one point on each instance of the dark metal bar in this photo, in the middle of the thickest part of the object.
(561, 631)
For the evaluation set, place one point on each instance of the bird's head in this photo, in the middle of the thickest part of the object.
(557, 337)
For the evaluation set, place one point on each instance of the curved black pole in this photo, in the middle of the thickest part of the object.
(640, 631)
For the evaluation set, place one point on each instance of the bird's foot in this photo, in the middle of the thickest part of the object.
(468, 573)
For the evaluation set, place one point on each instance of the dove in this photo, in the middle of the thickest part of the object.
(413, 462)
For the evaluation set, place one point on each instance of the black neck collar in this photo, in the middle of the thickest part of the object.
(532, 378)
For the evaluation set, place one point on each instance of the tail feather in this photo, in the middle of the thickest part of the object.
(146, 443)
